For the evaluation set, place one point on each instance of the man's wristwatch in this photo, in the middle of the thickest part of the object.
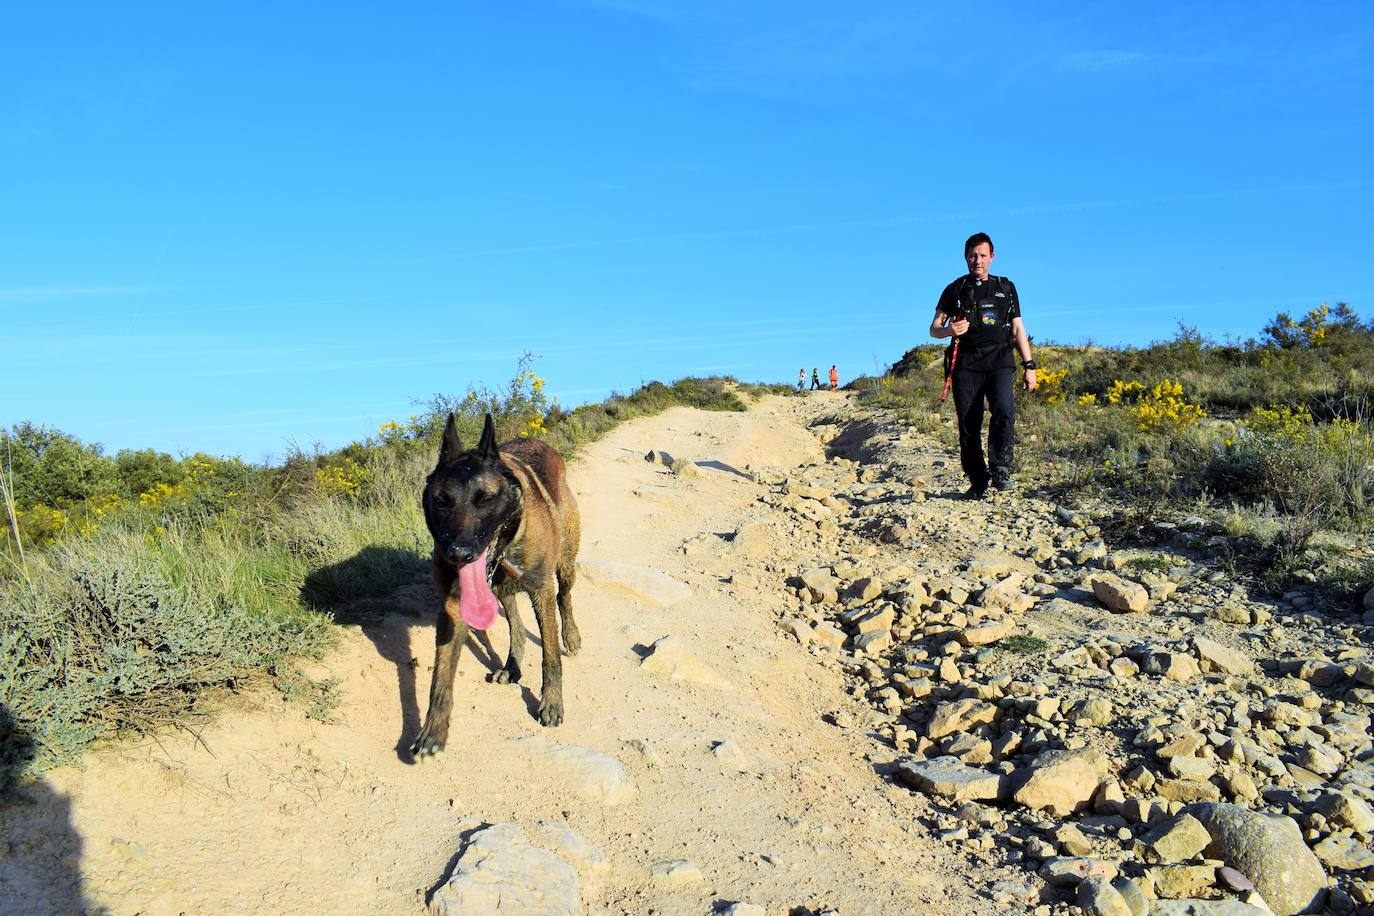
(1029, 364)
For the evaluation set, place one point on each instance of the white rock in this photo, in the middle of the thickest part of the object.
(499, 871)
(671, 658)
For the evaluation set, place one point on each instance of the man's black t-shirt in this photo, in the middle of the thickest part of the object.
(990, 306)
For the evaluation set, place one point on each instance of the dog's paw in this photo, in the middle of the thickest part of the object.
(550, 712)
(426, 745)
(572, 640)
(506, 675)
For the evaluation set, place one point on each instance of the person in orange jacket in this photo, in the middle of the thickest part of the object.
(834, 378)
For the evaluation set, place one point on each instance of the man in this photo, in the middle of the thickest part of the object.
(983, 314)
(815, 378)
(834, 378)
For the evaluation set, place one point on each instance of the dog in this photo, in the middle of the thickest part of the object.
(504, 521)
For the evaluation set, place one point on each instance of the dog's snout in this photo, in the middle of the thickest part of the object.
(461, 553)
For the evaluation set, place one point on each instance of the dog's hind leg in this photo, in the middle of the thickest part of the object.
(449, 635)
(510, 674)
(567, 577)
(551, 698)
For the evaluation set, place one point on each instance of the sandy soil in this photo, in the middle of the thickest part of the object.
(267, 811)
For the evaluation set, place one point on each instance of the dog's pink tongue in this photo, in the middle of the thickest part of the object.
(476, 602)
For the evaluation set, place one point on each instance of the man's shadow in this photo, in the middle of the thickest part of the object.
(384, 591)
(40, 851)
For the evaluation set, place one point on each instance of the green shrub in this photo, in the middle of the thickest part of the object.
(106, 646)
(1023, 645)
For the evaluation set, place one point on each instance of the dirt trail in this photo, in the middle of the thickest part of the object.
(267, 811)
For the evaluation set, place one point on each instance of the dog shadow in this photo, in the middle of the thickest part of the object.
(384, 591)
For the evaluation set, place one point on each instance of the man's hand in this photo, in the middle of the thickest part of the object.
(959, 326)
(1031, 381)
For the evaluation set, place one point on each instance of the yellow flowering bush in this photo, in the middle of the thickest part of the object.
(537, 402)
(1280, 421)
(1050, 385)
(1164, 408)
(1123, 391)
(1087, 400)
(343, 479)
(160, 495)
(41, 524)
(95, 511)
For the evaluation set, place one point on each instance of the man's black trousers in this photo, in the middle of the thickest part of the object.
(971, 388)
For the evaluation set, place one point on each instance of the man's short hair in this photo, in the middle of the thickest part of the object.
(977, 239)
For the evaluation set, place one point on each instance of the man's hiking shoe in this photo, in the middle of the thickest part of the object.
(1004, 484)
(976, 492)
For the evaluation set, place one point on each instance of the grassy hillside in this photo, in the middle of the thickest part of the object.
(1273, 436)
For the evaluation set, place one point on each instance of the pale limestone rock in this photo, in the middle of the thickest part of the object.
(671, 658)
(499, 871)
(949, 778)
(959, 715)
(1062, 782)
(1120, 595)
(1216, 657)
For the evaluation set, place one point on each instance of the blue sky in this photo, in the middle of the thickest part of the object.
(226, 228)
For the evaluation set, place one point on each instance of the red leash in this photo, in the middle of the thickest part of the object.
(949, 376)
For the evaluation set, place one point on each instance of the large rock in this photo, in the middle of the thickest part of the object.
(751, 538)
(1097, 897)
(1005, 594)
(1061, 782)
(985, 633)
(1174, 666)
(1344, 853)
(1181, 882)
(1269, 850)
(1346, 809)
(671, 658)
(1121, 595)
(949, 777)
(499, 871)
(1176, 839)
(958, 716)
(1216, 657)
(642, 582)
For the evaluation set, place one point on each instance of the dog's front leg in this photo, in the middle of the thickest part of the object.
(551, 700)
(449, 635)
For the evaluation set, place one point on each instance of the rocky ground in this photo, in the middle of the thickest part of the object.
(813, 681)
(1129, 725)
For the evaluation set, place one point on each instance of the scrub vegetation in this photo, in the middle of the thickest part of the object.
(135, 586)
(1272, 436)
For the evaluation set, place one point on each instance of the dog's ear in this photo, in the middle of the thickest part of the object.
(451, 447)
(486, 449)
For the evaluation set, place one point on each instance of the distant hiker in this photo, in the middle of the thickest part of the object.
(983, 314)
(801, 379)
(834, 378)
(815, 378)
